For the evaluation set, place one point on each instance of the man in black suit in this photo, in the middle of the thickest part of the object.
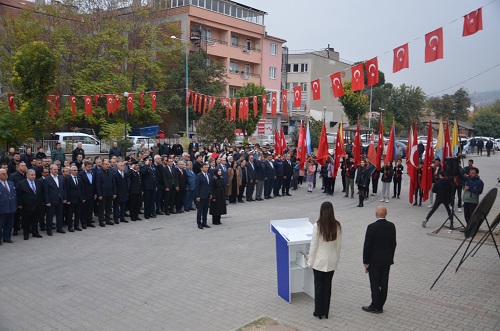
(55, 198)
(252, 177)
(106, 192)
(158, 166)
(378, 256)
(148, 174)
(165, 148)
(30, 202)
(74, 195)
(135, 191)
(16, 177)
(198, 164)
(87, 180)
(122, 183)
(193, 144)
(180, 172)
(287, 174)
(270, 174)
(202, 196)
(171, 185)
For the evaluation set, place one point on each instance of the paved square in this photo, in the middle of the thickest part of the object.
(165, 274)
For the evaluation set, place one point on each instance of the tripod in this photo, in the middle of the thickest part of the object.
(450, 218)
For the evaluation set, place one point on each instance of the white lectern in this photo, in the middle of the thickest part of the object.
(293, 237)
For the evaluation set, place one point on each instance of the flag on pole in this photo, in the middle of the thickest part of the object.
(389, 154)
(339, 149)
(372, 154)
(322, 147)
(413, 164)
(308, 139)
(303, 152)
(300, 143)
(455, 141)
(447, 152)
(277, 142)
(380, 148)
(12, 105)
(440, 141)
(356, 147)
(427, 172)
(282, 141)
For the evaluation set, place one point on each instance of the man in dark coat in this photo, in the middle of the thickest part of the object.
(8, 206)
(251, 176)
(74, 192)
(122, 183)
(115, 151)
(78, 151)
(106, 192)
(165, 148)
(378, 256)
(480, 145)
(171, 185)
(287, 174)
(270, 173)
(261, 175)
(30, 202)
(180, 172)
(489, 146)
(193, 145)
(135, 191)
(16, 177)
(149, 183)
(443, 189)
(87, 180)
(55, 198)
(202, 195)
(177, 149)
(159, 169)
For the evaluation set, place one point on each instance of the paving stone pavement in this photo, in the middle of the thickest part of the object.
(165, 274)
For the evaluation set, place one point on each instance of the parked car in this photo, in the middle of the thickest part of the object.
(138, 140)
(69, 141)
(497, 144)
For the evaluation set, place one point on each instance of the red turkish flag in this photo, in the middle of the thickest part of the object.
(255, 106)
(96, 99)
(356, 146)
(233, 110)
(227, 103)
(284, 102)
(413, 164)
(50, 99)
(195, 101)
(153, 100)
(188, 94)
(247, 108)
(434, 45)
(56, 103)
(240, 109)
(130, 103)
(117, 103)
(88, 105)
(264, 105)
(372, 71)
(358, 78)
(297, 96)
(205, 104)
(338, 89)
(274, 105)
(401, 58)
(380, 145)
(110, 103)
(473, 22)
(141, 100)
(72, 101)
(315, 87)
(12, 105)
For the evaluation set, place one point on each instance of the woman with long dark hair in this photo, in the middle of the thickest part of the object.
(324, 255)
(218, 201)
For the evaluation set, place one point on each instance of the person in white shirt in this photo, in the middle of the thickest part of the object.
(324, 255)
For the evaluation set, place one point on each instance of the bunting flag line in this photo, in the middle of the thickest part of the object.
(284, 103)
(51, 105)
(264, 105)
(401, 58)
(372, 71)
(110, 103)
(434, 45)
(297, 96)
(12, 105)
(358, 78)
(141, 100)
(56, 104)
(72, 101)
(273, 105)
(337, 88)
(153, 100)
(117, 103)
(130, 103)
(255, 106)
(88, 105)
(316, 89)
(473, 22)
(233, 110)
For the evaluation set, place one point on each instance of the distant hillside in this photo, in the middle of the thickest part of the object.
(484, 98)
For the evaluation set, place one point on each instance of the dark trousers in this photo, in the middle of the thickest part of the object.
(159, 198)
(6, 224)
(250, 189)
(179, 199)
(397, 187)
(278, 182)
(241, 192)
(458, 191)
(188, 199)
(374, 186)
(330, 185)
(73, 211)
(149, 202)
(259, 188)
(216, 219)
(17, 220)
(105, 209)
(134, 205)
(418, 193)
(437, 202)
(468, 210)
(322, 291)
(86, 213)
(30, 221)
(57, 211)
(170, 200)
(286, 186)
(202, 211)
(119, 210)
(488, 152)
(342, 175)
(379, 282)
(268, 187)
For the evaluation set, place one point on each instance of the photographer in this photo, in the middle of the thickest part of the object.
(442, 188)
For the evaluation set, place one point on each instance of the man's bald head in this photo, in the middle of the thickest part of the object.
(381, 212)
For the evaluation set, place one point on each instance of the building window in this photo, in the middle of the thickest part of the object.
(249, 44)
(235, 40)
(232, 92)
(288, 68)
(206, 34)
(295, 67)
(272, 72)
(233, 66)
(303, 67)
(247, 69)
(304, 87)
(273, 49)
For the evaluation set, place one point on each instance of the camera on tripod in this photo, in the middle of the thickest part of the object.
(451, 167)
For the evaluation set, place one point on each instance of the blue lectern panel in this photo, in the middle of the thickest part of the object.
(283, 266)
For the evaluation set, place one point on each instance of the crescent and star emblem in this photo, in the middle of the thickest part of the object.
(315, 86)
(11, 98)
(397, 53)
(335, 84)
(370, 69)
(357, 72)
(414, 150)
(437, 42)
(297, 94)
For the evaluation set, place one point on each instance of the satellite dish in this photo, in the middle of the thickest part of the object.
(479, 215)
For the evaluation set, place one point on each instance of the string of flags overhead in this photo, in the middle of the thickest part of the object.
(434, 50)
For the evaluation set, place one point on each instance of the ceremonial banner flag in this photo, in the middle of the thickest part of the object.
(427, 172)
(356, 147)
(303, 152)
(473, 22)
(277, 142)
(389, 155)
(72, 101)
(56, 102)
(358, 78)
(297, 96)
(322, 154)
(401, 58)
(274, 105)
(380, 148)
(434, 45)
(233, 110)
(308, 139)
(316, 89)
(110, 103)
(337, 88)
(195, 102)
(51, 104)
(141, 100)
(372, 154)
(117, 102)
(130, 103)
(96, 100)
(413, 163)
(240, 109)
(372, 71)
(440, 141)
(300, 143)
(255, 106)
(447, 144)
(153, 100)
(205, 104)
(264, 105)
(188, 95)
(455, 141)
(339, 149)
(12, 105)
(284, 103)
(88, 104)
(283, 141)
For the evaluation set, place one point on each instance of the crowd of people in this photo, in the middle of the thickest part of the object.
(166, 180)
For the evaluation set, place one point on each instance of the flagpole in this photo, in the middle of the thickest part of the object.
(371, 97)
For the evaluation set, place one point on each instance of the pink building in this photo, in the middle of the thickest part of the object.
(272, 59)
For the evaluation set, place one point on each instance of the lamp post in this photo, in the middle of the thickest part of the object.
(187, 83)
(125, 94)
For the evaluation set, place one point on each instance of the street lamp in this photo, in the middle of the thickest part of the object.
(125, 94)
(187, 82)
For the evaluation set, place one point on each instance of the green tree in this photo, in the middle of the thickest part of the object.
(486, 120)
(406, 104)
(213, 125)
(356, 104)
(461, 102)
(34, 77)
(452, 106)
(249, 125)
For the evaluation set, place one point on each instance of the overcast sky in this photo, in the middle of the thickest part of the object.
(360, 30)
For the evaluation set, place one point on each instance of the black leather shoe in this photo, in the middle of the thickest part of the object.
(84, 226)
(288, 195)
(371, 310)
(8, 241)
(37, 235)
(138, 219)
(173, 212)
(123, 221)
(159, 213)
(180, 211)
(49, 233)
(117, 222)
(78, 229)
(60, 231)
(109, 223)
(102, 224)
(26, 237)
(71, 230)
(42, 228)
(167, 213)
(200, 227)
(206, 226)
(91, 225)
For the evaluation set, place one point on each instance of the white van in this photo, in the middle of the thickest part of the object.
(69, 141)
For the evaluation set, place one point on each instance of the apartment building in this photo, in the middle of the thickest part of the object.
(304, 67)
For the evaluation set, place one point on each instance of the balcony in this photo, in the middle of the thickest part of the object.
(240, 78)
(245, 48)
